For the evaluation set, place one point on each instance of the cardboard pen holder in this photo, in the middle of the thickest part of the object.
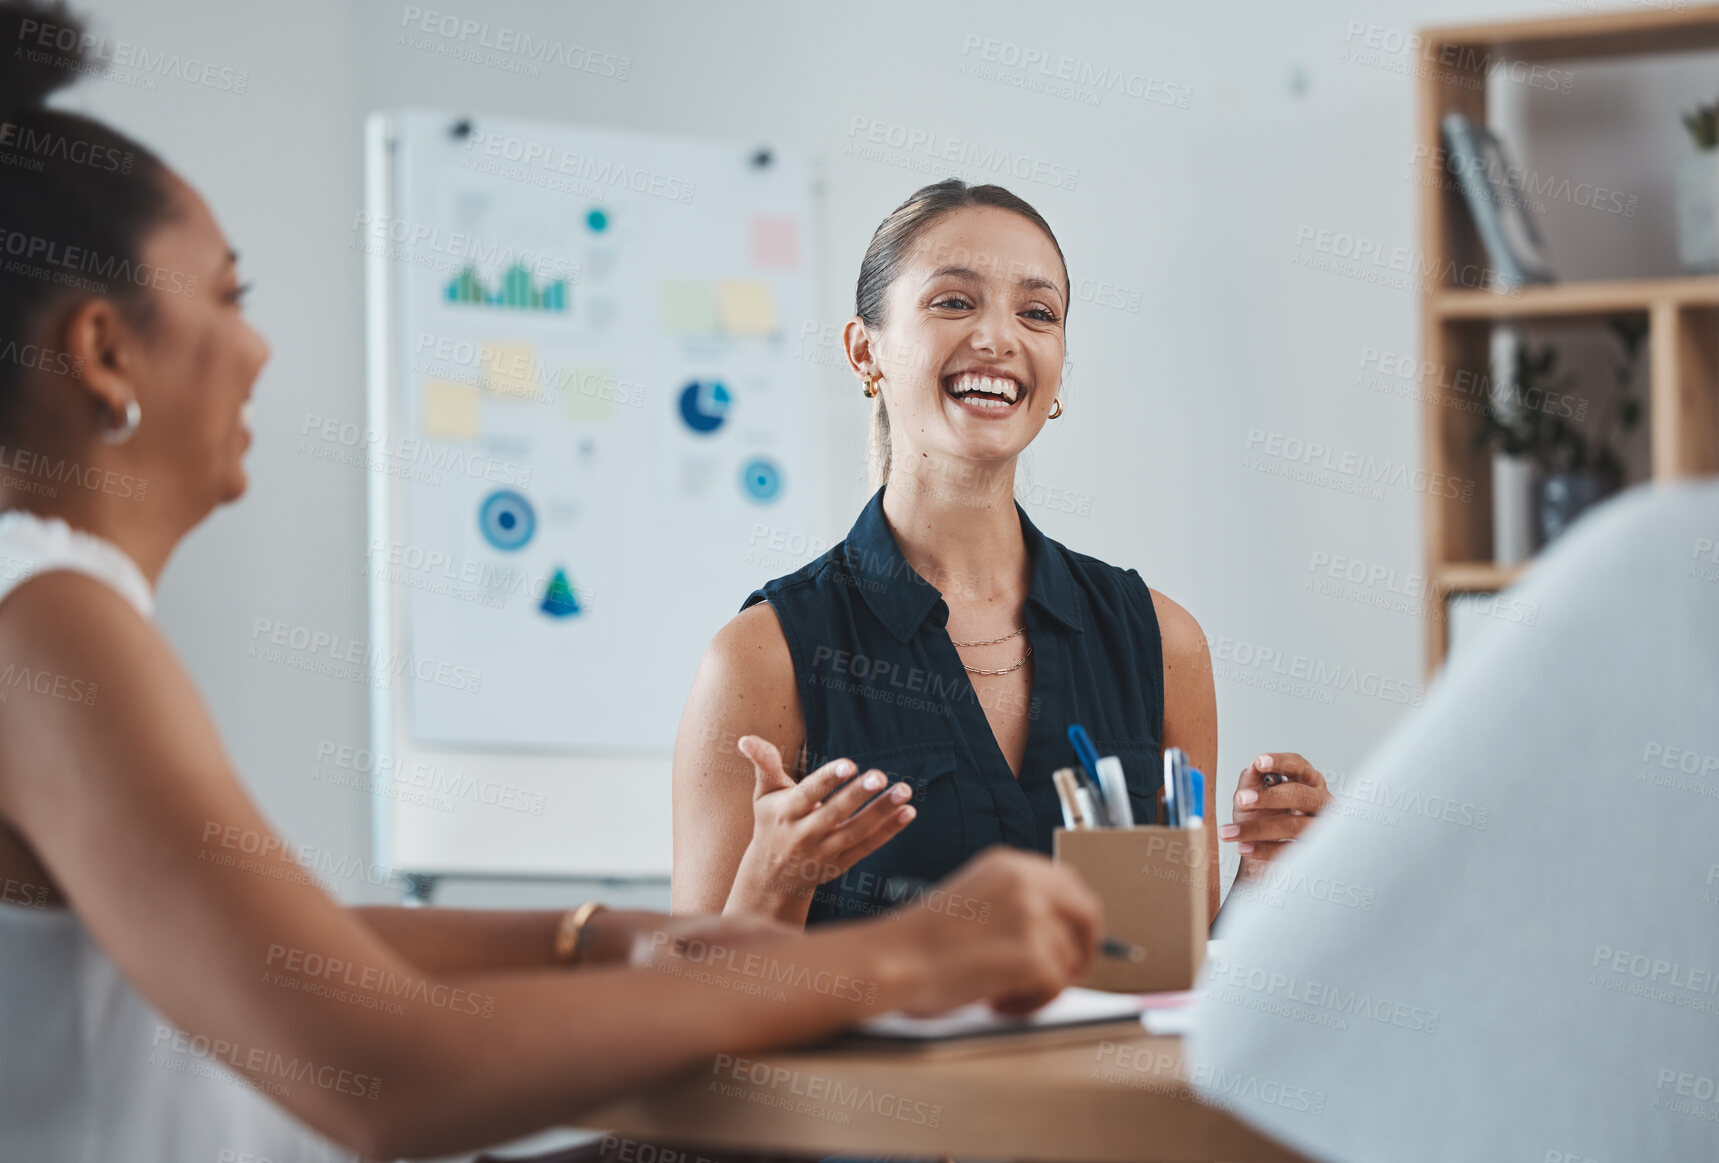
(1153, 884)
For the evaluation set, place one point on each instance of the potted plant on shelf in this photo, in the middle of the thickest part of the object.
(1698, 194)
(1529, 418)
(1512, 475)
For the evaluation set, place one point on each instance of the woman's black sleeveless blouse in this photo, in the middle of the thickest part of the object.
(881, 683)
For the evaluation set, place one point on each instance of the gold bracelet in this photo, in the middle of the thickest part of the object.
(570, 933)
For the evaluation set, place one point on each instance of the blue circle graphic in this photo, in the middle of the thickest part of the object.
(762, 480)
(704, 405)
(507, 520)
(597, 220)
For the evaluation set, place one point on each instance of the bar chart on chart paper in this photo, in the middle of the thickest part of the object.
(517, 290)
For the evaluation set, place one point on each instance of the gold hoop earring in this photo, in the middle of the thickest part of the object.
(1056, 409)
(870, 392)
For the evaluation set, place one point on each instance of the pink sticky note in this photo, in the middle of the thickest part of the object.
(775, 243)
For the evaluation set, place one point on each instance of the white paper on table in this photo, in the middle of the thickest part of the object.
(1171, 1021)
(1074, 1006)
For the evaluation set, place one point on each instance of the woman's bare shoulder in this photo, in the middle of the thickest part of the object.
(1180, 632)
(89, 663)
(745, 686)
(76, 626)
(751, 648)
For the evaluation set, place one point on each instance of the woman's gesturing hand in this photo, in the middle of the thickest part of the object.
(1268, 819)
(1008, 927)
(809, 832)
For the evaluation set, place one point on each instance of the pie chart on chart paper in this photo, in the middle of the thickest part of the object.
(762, 480)
(704, 406)
(507, 520)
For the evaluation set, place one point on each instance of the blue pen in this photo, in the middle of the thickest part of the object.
(1196, 816)
(1088, 756)
(1083, 748)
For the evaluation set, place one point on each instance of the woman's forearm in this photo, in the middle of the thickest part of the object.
(562, 1044)
(755, 893)
(549, 1045)
(462, 941)
(457, 941)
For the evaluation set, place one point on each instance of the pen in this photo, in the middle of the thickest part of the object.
(1121, 950)
(1175, 759)
(1091, 807)
(1086, 775)
(1184, 791)
(1196, 797)
(1068, 790)
(1114, 784)
(1083, 748)
(1091, 797)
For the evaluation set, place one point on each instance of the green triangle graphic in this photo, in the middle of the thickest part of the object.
(559, 600)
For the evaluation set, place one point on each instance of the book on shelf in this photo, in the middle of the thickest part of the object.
(1496, 197)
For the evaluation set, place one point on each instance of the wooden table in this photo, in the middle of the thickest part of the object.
(1120, 1098)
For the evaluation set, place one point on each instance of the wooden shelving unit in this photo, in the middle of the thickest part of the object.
(1456, 323)
(1474, 576)
(1590, 299)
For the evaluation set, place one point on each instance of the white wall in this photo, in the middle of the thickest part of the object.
(1196, 211)
(280, 164)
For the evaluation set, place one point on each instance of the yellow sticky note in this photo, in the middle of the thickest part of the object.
(511, 370)
(588, 393)
(688, 308)
(748, 307)
(450, 410)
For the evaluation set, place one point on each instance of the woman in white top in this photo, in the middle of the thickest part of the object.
(163, 961)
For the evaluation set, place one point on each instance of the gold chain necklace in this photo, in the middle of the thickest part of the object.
(993, 642)
(1006, 669)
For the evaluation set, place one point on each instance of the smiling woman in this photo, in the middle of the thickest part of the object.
(945, 645)
(959, 269)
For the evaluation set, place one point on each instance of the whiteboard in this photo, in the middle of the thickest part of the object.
(584, 405)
